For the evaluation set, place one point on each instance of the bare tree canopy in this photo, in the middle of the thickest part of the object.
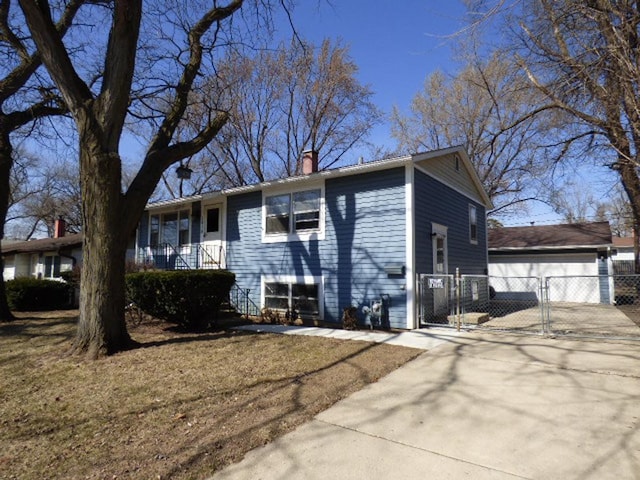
(152, 61)
(280, 103)
(583, 57)
(482, 108)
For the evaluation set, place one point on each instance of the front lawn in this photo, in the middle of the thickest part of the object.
(181, 406)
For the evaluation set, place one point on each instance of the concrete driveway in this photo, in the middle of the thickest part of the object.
(479, 406)
(587, 319)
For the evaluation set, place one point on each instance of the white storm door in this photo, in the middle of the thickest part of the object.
(212, 236)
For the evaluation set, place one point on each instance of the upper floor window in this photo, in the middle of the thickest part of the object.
(473, 224)
(293, 214)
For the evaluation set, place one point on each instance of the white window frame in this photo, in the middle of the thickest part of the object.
(53, 257)
(473, 221)
(291, 280)
(290, 236)
(185, 247)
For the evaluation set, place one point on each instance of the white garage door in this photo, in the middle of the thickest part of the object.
(575, 265)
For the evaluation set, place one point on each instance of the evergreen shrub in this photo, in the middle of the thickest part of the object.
(31, 294)
(188, 298)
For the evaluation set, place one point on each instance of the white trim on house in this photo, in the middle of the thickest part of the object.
(452, 187)
(372, 166)
(551, 248)
(410, 268)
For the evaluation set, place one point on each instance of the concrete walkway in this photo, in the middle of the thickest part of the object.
(477, 406)
(425, 339)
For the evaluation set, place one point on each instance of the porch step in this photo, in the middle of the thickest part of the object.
(471, 318)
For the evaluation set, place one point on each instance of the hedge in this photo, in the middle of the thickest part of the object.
(30, 294)
(189, 298)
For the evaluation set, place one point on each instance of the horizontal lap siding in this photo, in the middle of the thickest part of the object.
(364, 232)
(435, 202)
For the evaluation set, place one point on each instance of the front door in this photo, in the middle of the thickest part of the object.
(213, 236)
(440, 270)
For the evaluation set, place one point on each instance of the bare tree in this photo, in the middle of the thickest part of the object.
(583, 56)
(178, 49)
(481, 108)
(40, 193)
(25, 96)
(280, 102)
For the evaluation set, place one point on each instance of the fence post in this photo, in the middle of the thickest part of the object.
(458, 299)
(246, 304)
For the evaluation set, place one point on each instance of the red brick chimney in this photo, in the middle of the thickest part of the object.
(59, 227)
(309, 162)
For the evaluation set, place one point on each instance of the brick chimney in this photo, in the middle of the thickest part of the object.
(59, 227)
(309, 162)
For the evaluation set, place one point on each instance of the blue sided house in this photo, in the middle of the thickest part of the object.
(314, 244)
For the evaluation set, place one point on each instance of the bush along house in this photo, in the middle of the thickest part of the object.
(315, 244)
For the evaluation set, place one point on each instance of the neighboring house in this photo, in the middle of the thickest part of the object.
(576, 250)
(623, 256)
(47, 257)
(44, 258)
(323, 241)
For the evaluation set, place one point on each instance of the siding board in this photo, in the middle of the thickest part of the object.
(364, 231)
(435, 202)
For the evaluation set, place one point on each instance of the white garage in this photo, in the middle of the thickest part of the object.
(571, 258)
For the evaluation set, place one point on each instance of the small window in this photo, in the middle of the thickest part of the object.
(456, 159)
(304, 298)
(154, 230)
(183, 228)
(473, 224)
(440, 255)
(213, 220)
(475, 291)
(51, 266)
(292, 213)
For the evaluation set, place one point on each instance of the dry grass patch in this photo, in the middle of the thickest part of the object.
(180, 407)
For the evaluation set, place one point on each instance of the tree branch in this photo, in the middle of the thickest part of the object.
(48, 39)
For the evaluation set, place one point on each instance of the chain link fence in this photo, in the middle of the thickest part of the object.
(592, 306)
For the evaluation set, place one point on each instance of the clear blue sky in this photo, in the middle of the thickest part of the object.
(395, 44)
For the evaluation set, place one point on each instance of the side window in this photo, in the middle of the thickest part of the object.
(473, 224)
(154, 230)
(183, 228)
(51, 266)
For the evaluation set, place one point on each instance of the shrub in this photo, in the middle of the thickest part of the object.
(34, 294)
(189, 298)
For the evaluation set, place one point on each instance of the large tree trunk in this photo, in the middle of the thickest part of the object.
(102, 329)
(6, 162)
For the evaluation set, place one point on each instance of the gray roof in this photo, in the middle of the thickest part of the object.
(571, 235)
(43, 245)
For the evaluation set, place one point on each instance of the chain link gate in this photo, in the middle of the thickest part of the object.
(436, 299)
(599, 306)
(493, 303)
